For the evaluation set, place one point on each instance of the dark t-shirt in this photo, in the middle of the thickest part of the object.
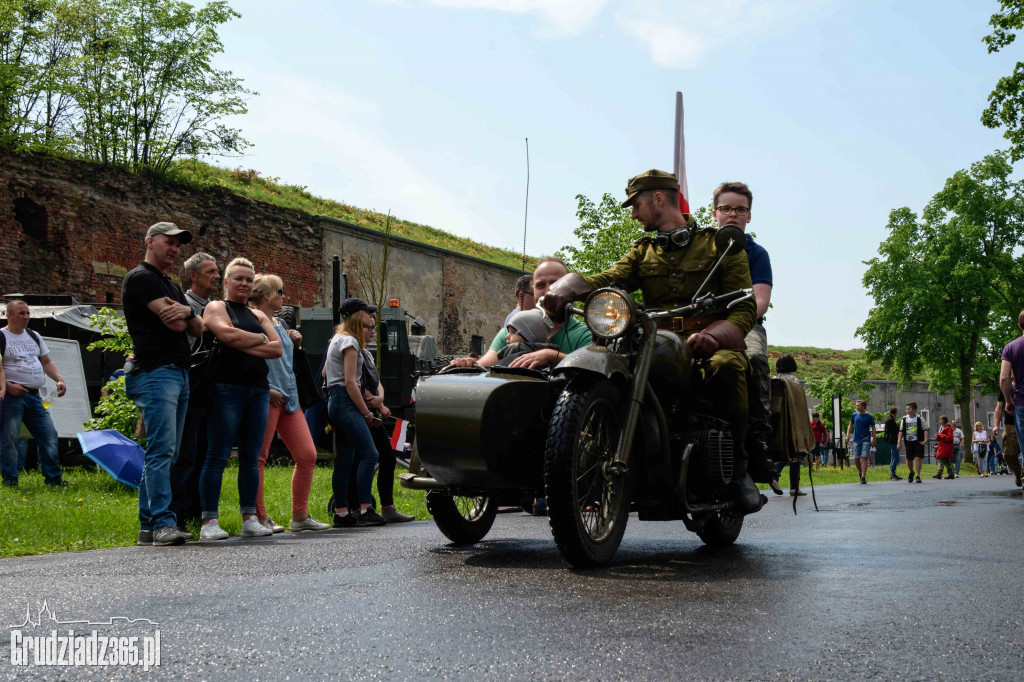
(760, 265)
(1014, 354)
(892, 430)
(234, 366)
(1007, 414)
(155, 345)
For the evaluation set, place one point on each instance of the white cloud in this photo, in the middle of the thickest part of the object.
(354, 160)
(680, 33)
(559, 18)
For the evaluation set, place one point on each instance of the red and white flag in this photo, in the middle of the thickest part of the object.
(398, 435)
(679, 168)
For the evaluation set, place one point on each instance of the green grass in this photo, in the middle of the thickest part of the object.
(880, 472)
(95, 512)
(254, 185)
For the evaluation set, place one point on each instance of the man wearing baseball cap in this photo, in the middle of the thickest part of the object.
(668, 266)
(159, 320)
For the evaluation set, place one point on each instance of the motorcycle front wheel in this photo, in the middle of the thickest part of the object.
(721, 529)
(463, 520)
(588, 504)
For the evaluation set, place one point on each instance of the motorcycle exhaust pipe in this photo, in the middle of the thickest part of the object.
(411, 481)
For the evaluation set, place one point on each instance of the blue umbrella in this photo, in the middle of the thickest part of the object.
(118, 455)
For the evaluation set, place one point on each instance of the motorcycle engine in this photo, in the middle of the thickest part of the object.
(717, 448)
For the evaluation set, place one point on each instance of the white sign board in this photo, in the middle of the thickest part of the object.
(72, 410)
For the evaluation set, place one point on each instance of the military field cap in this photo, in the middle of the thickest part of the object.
(652, 179)
(171, 230)
(353, 305)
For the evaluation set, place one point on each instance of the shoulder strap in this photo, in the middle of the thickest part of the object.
(231, 314)
(35, 337)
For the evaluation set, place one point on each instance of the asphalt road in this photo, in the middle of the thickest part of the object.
(889, 581)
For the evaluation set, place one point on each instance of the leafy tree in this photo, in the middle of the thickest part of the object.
(116, 410)
(945, 286)
(1006, 102)
(850, 386)
(117, 81)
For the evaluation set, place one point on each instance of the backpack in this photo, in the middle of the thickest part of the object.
(35, 337)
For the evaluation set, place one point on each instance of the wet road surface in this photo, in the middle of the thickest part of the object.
(889, 581)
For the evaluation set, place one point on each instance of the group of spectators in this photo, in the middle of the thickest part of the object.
(211, 375)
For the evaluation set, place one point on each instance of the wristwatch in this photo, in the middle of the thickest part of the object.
(266, 339)
(191, 315)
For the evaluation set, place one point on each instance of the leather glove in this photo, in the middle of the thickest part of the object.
(564, 291)
(720, 334)
(702, 344)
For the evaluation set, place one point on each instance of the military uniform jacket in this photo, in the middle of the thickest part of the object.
(670, 278)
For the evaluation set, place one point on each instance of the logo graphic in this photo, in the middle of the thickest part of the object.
(84, 648)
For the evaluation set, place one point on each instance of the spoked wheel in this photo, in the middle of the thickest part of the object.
(463, 520)
(721, 529)
(588, 500)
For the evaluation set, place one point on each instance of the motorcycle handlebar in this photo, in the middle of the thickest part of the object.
(707, 302)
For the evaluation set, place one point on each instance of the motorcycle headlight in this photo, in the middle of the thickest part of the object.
(608, 314)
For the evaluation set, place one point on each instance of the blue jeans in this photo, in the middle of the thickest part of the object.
(1018, 413)
(861, 449)
(958, 457)
(238, 412)
(345, 416)
(894, 459)
(993, 461)
(28, 408)
(161, 395)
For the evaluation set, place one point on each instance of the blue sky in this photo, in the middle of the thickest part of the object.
(833, 112)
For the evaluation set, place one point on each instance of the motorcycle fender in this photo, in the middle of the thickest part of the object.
(596, 360)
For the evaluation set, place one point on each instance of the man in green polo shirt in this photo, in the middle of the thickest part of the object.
(568, 338)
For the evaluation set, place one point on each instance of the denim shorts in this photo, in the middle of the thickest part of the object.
(861, 450)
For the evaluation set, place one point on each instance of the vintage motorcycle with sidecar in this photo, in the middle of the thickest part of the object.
(615, 427)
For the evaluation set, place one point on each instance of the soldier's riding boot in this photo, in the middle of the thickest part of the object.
(746, 495)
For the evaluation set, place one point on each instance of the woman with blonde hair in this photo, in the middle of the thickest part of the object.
(284, 415)
(241, 399)
(351, 415)
(979, 444)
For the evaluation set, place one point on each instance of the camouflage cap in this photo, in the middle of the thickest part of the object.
(171, 230)
(652, 179)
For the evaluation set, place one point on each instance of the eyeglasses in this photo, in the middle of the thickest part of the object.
(734, 210)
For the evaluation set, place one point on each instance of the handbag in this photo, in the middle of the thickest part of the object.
(202, 375)
(309, 391)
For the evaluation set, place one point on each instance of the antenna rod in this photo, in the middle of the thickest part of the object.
(526, 210)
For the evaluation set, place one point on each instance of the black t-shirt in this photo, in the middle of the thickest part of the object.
(1007, 414)
(892, 430)
(234, 366)
(155, 344)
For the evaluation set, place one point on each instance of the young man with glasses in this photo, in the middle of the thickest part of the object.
(732, 202)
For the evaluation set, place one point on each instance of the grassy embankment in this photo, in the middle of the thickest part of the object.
(253, 185)
(96, 512)
(813, 363)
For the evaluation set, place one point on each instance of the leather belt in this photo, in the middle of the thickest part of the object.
(687, 324)
(33, 391)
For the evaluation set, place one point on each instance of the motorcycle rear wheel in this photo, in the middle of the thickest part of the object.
(588, 505)
(463, 520)
(721, 529)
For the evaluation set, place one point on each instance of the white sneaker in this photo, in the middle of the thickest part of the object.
(212, 531)
(309, 523)
(274, 528)
(252, 528)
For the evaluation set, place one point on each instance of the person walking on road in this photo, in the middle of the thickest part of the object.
(944, 448)
(979, 445)
(958, 449)
(913, 436)
(861, 434)
(892, 437)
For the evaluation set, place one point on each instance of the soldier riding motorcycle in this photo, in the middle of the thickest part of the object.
(650, 418)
